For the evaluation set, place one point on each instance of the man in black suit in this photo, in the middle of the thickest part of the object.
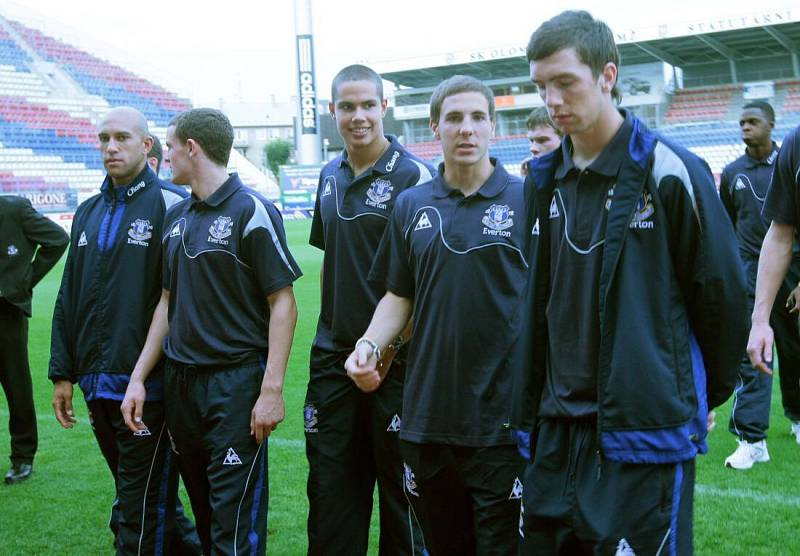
(30, 244)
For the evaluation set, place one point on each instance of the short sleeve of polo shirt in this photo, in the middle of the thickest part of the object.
(264, 249)
(391, 267)
(317, 237)
(166, 268)
(781, 202)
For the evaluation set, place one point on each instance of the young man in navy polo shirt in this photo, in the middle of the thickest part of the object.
(453, 256)
(634, 318)
(109, 290)
(352, 436)
(742, 190)
(226, 320)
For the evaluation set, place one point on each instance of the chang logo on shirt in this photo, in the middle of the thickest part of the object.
(328, 185)
(220, 229)
(393, 161)
(498, 220)
(140, 231)
(644, 211)
(772, 157)
(379, 192)
(12, 251)
(132, 190)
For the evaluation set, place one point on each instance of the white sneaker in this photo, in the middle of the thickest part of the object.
(747, 454)
(796, 431)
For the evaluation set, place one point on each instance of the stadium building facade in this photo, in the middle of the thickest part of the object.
(689, 80)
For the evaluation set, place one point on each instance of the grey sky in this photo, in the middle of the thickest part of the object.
(245, 48)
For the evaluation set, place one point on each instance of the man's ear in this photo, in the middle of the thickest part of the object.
(435, 129)
(609, 77)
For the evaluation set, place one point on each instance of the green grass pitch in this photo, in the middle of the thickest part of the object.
(63, 508)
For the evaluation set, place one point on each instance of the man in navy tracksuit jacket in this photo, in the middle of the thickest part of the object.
(110, 287)
(614, 384)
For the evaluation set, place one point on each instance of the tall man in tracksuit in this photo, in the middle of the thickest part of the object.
(109, 289)
(634, 321)
(225, 319)
(30, 244)
(352, 436)
(742, 189)
(453, 254)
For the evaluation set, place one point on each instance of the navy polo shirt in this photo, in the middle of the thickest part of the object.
(349, 220)
(461, 260)
(222, 258)
(578, 215)
(782, 204)
(742, 189)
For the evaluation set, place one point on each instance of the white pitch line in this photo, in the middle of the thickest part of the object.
(748, 494)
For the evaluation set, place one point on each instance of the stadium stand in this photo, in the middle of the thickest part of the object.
(52, 95)
(97, 77)
(703, 104)
(11, 54)
(791, 96)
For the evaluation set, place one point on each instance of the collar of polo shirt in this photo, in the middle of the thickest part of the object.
(610, 159)
(493, 187)
(386, 162)
(231, 185)
(769, 161)
(139, 183)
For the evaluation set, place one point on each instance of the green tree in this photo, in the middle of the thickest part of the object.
(277, 152)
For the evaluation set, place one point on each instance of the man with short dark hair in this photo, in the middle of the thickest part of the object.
(543, 136)
(109, 290)
(633, 317)
(352, 436)
(30, 244)
(743, 187)
(155, 155)
(453, 255)
(225, 320)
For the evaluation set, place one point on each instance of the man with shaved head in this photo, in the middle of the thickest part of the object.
(109, 290)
